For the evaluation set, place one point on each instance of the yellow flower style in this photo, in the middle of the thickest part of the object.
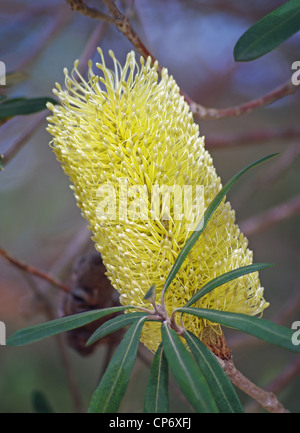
(124, 137)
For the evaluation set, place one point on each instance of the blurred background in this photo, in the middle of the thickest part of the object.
(41, 225)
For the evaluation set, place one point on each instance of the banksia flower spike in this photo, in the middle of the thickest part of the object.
(124, 137)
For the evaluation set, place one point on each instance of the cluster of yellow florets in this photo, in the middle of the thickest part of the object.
(130, 128)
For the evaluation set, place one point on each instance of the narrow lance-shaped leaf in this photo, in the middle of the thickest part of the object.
(187, 373)
(260, 328)
(113, 385)
(21, 106)
(114, 325)
(223, 391)
(54, 327)
(269, 32)
(225, 278)
(157, 391)
(204, 221)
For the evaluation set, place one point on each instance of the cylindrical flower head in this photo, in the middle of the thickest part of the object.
(128, 142)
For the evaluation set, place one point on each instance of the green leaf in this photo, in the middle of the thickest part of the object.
(19, 106)
(112, 387)
(269, 32)
(204, 221)
(187, 372)
(40, 403)
(1, 163)
(219, 383)
(151, 294)
(157, 391)
(222, 279)
(260, 328)
(114, 325)
(53, 327)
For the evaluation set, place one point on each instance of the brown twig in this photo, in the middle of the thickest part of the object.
(123, 24)
(34, 271)
(253, 137)
(218, 113)
(197, 109)
(234, 8)
(269, 218)
(267, 400)
(79, 6)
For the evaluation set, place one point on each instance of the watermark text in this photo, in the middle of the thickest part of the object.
(2, 74)
(296, 334)
(2, 334)
(184, 203)
(296, 75)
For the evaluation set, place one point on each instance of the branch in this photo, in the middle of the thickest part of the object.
(267, 400)
(34, 271)
(123, 24)
(233, 8)
(79, 6)
(253, 137)
(272, 216)
(215, 113)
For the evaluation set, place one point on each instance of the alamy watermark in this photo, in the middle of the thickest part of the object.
(2, 74)
(296, 335)
(123, 202)
(2, 334)
(296, 75)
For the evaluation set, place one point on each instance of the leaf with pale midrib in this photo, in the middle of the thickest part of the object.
(112, 387)
(260, 328)
(157, 390)
(56, 326)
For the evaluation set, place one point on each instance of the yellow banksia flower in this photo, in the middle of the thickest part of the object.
(129, 130)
